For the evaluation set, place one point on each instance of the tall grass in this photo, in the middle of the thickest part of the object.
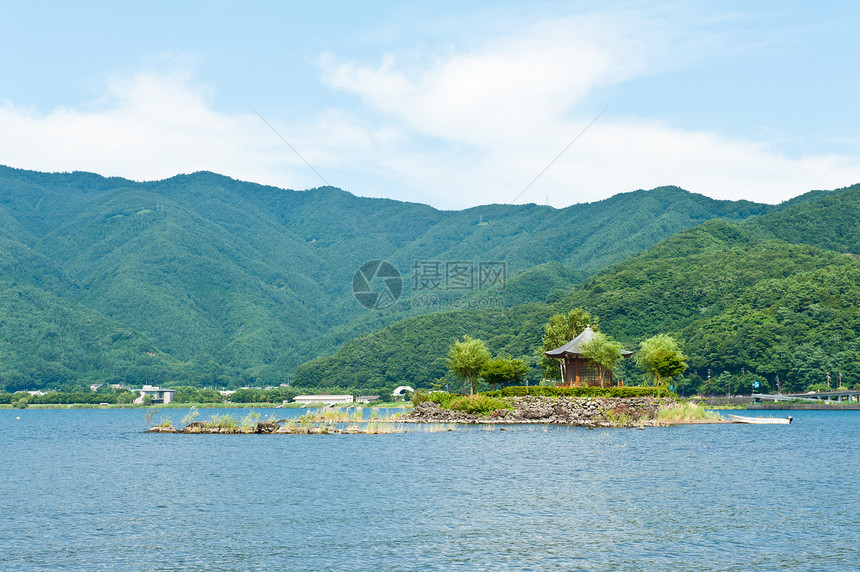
(249, 422)
(618, 418)
(684, 412)
(332, 416)
(191, 415)
(438, 427)
(223, 421)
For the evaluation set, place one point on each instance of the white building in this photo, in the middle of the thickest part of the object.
(158, 395)
(325, 398)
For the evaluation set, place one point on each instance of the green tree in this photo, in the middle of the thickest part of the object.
(249, 396)
(560, 330)
(505, 371)
(661, 357)
(604, 351)
(466, 359)
(519, 371)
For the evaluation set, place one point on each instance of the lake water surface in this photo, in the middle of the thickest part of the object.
(86, 489)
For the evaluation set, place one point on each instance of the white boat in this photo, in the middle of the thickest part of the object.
(760, 420)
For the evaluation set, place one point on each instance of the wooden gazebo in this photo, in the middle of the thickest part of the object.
(576, 369)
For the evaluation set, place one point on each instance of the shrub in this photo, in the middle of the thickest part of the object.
(440, 397)
(585, 391)
(420, 397)
(478, 404)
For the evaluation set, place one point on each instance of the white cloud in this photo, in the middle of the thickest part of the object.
(497, 114)
(148, 126)
(505, 87)
(612, 157)
(625, 155)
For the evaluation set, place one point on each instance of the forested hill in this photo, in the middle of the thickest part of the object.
(745, 305)
(204, 279)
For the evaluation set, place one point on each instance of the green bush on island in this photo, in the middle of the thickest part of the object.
(440, 397)
(480, 404)
(584, 391)
(488, 401)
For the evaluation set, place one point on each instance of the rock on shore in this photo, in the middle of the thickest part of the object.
(576, 411)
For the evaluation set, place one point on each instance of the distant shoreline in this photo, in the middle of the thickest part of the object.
(804, 406)
(262, 405)
(403, 404)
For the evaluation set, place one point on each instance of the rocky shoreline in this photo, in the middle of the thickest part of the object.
(574, 411)
(279, 427)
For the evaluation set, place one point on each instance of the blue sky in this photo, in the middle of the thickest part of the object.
(453, 104)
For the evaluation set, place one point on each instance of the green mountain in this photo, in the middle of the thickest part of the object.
(829, 222)
(222, 281)
(741, 298)
(799, 328)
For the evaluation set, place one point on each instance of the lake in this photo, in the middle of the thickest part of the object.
(86, 489)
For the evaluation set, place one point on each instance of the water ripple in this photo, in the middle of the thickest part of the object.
(85, 489)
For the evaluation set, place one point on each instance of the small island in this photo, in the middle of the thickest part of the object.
(589, 407)
(585, 396)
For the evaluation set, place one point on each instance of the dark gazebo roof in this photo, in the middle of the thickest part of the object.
(571, 348)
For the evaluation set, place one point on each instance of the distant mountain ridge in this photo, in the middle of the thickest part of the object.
(204, 279)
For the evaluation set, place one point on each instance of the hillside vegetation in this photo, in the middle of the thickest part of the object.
(201, 279)
(775, 299)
